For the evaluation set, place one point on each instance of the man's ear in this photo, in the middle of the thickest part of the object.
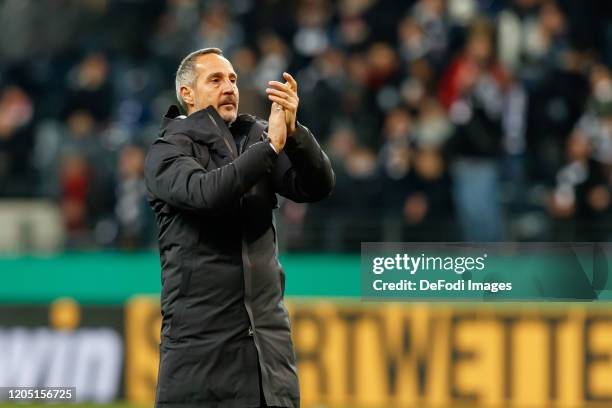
(187, 95)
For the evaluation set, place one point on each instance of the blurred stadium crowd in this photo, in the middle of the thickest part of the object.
(456, 120)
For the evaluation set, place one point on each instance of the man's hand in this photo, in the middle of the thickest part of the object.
(277, 128)
(286, 96)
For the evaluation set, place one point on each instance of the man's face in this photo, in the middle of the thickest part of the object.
(216, 85)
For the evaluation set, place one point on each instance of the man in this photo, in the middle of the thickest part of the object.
(212, 179)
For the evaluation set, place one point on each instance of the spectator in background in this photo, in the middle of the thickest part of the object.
(173, 33)
(362, 193)
(16, 143)
(596, 123)
(396, 132)
(274, 58)
(395, 163)
(582, 196)
(432, 128)
(325, 83)
(131, 208)
(352, 30)
(430, 15)
(383, 66)
(555, 78)
(89, 87)
(216, 28)
(415, 181)
(418, 84)
(251, 98)
(312, 33)
(357, 105)
(428, 208)
(432, 179)
(518, 28)
(412, 40)
(531, 38)
(85, 184)
(472, 90)
(351, 214)
(514, 144)
(75, 182)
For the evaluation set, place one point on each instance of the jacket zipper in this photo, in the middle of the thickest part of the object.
(227, 143)
(246, 265)
(243, 144)
(246, 262)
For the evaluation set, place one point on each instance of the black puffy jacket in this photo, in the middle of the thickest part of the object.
(213, 190)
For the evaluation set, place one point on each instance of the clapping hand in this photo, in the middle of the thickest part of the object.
(285, 95)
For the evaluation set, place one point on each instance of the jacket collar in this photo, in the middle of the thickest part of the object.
(204, 126)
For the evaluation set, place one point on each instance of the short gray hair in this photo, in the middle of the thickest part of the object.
(185, 74)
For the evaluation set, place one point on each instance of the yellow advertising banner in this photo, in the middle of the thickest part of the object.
(399, 354)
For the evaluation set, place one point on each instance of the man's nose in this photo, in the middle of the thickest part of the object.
(228, 87)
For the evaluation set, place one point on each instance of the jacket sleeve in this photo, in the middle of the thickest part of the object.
(303, 173)
(179, 180)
